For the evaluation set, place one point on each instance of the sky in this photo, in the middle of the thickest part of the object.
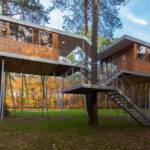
(135, 17)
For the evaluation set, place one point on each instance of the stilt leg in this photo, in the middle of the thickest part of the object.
(1, 85)
(4, 94)
(58, 95)
(44, 95)
(22, 92)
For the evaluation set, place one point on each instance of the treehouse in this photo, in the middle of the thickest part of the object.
(36, 47)
(123, 74)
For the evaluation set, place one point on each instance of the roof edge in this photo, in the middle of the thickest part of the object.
(22, 22)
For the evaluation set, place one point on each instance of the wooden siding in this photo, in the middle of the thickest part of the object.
(7, 45)
(142, 66)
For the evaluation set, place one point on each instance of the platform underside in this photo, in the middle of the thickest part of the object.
(87, 88)
(33, 65)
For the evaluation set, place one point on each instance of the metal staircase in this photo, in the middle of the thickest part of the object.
(120, 98)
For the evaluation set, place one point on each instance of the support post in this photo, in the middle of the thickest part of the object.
(61, 101)
(44, 95)
(1, 84)
(22, 91)
(149, 98)
(27, 95)
(4, 94)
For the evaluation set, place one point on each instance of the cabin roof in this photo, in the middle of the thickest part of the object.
(119, 44)
(71, 40)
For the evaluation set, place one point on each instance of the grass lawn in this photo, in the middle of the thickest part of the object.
(73, 133)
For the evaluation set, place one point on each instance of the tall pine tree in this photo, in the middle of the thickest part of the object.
(28, 10)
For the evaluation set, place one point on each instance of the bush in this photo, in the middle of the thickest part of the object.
(6, 112)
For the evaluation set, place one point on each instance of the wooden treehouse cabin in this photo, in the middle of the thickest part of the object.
(38, 47)
(29, 48)
(123, 75)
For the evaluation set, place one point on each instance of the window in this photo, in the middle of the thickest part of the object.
(27, 34)
(114, 62)
(104, 65)
(148, 54)
(141, 52)
(4, 29)
(36, 36)
(13, 31)
(46, 39)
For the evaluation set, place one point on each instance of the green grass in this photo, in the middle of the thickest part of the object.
(73, 133)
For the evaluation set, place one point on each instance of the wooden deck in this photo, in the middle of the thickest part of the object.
(86, 88)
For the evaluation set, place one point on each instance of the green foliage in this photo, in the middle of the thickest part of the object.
(29, 10)
(74, 18)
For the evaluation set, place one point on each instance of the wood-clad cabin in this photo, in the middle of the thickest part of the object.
(127, 53)
(20, 37)
(37, 47)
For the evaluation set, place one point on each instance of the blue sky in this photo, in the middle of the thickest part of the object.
(135, 17)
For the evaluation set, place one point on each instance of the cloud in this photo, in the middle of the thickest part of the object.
(135, 19)
(126, 13)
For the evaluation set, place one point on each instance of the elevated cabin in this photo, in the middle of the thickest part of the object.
(38, 47)
(123, 76)
(128, 54)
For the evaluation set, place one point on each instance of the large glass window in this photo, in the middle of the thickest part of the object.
(148, 54)
(3, 29)
(13, 29)
(36, 36)
(114, 62)
(27, 34)
(23, 33)
(109, 64)
(46, 39)
(141, 52)
(104, 65)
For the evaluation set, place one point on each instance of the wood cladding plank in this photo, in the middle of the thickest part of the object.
(55, 40)
(27, 49)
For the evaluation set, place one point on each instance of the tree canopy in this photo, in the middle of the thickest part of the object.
(74, 18)
(28, 10)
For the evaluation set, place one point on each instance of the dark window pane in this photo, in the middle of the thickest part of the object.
(27, 34)
(36, 36)
(4, 29)
(46, 39)
(141, 52)
(13, 31)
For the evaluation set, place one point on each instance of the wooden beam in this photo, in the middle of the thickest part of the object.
(39, 37)
(7, 30)
(32, 36)
(55, 40)
(135, 47)
(0, 29)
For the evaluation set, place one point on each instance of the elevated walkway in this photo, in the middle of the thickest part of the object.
(118, 85)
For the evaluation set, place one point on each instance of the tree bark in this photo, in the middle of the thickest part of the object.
(4, 6)
(87, 96)
(93, 120)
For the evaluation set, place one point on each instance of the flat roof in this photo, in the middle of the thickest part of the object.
(34, 65)
(119, 44)
(86, 88)
(67, 41)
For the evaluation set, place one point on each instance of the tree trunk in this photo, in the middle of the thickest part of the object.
(87, 96)
(93, 120)
(4, 6)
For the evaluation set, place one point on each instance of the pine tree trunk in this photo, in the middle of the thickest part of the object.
(87, 96)
(4, 6)
(93, 120)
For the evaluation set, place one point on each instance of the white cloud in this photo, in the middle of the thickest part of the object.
(126, 13)
(136, 19)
